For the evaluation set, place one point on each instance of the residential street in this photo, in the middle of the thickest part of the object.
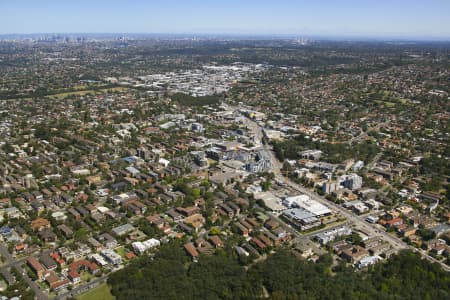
(353, 219)
(11, 261)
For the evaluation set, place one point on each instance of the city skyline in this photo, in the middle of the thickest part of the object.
(402, 19)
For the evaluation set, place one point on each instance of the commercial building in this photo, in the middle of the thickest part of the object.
(301, 218)
(261, 164)
(304, 212)
(330, 187)
(303, 201)
(351, 181)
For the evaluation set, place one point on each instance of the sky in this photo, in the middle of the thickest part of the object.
(429, 19)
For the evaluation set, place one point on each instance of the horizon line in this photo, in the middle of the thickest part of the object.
(351, 36)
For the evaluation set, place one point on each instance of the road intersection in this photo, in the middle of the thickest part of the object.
(356, 221)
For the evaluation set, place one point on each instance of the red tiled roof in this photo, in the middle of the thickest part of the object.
(76, 265)
(33, 262)
(57, 284)
(20, 247)
(191, 249)
(258, 243)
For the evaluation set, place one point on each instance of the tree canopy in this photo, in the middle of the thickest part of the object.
(171, 275)
(189, 100)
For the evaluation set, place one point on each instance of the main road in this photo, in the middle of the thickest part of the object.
(353, 219)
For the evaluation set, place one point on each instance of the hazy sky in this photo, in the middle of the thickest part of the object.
(380, 18)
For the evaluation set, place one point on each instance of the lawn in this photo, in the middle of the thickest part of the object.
(64, 95)
(385, 103)
(102, 292)
(86, 276)
(85, 92)
(121, 251)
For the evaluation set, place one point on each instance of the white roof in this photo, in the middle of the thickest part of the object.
(144, 246)
(99, 259)
(312, 206)
(102, 209)
(164, 162)
(296, 199)
(57, 214)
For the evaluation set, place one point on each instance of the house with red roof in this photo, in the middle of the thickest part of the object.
(81, 265)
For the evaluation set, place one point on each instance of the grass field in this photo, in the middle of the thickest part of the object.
(78, 93)
(385, 103)
(102, 292)
(85, 92)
